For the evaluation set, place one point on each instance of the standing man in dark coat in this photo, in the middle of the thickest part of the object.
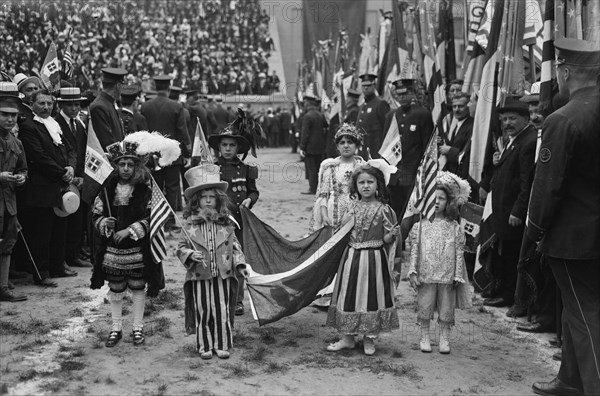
(103, 113)
(312, 142)
(222, 116)
(285, 120)
(132, 120)
(371, 117)
(512, 177)
(415, 126)
(352, 108)
(75, 133)
(167, 117)
(564, 213)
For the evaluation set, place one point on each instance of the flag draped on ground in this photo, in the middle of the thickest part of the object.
(159, 213)
(287, 275)
(97, 167)
(50, 72)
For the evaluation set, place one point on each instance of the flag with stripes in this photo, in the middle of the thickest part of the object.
(473, 60)
(547, 59)
(4, 77)
(67, 63)
(201, 150)
(159, 213)
(433, 76)
(426, 180)
(50, 73)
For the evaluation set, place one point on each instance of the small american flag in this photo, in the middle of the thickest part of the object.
(426, 180)
(67, 63)
(159, 212)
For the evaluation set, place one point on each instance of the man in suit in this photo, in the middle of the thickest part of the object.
(371, 117)
(27, 86)
(221, 116)
(514, 167)
(312, 142)
(51, 162)
(415, 126)
(104, 115)
(167, 117)
(75, 133)
(564, 215)
(132, 120)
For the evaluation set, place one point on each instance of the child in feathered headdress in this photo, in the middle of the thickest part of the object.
(121, 216)
(437, 270)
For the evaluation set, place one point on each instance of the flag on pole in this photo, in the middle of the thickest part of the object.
(201, 150)
(547, 60)
(50, 72)
(426, 180)
(97, 167)
(159, 213)
(473, 61)
(391, 148)
(67, 63)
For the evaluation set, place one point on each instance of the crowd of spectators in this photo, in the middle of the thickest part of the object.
(214, 46)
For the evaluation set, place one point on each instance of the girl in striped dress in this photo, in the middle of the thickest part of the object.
(363, 297)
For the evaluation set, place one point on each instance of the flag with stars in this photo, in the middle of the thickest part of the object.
(159, 213)
(426, 180)
(391, 148)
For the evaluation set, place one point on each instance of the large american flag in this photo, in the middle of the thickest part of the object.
(159, 212)
(426, 180)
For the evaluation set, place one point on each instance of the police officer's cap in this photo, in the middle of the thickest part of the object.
(578, 53)
(353, 93)
(368, 77)
(162, 82)
(113, 74)
(130, 91)
(403, 85)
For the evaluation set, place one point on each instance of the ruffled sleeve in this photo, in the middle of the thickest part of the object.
(389, 218)
(460, 268)
(413, 241)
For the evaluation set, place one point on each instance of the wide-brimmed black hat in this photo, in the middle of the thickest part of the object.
(215, 140)
(513, 104)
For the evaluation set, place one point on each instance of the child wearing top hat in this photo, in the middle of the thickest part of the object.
(236, 139)
(212, 256)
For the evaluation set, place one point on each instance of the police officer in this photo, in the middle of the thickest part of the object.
(133, 121)
(352, 108)
(564, 215)
(103, 113)
(415, 126)
(371, 116)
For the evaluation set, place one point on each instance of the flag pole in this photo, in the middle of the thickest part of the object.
(30, 255)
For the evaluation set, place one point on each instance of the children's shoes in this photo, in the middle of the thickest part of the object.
(425, 344)
(369, 346)
(221, 354)
(206, 355)
(347, 342)
(444, 344)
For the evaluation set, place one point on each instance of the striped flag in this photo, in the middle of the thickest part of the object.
(50, 73)
(97, 167)
(391, 148)
(4, 76)
(67, 63)
(426, 180)
(547, 60)
(159, 213)
(433, 75)
(473, 61)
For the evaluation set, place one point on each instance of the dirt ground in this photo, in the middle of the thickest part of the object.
(54, 342)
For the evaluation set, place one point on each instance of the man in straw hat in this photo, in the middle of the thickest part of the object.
(51, 161)
(74, 131)
(564, 214)
(13, 173)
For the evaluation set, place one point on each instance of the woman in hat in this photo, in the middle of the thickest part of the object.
(212, 256)
(121, 216)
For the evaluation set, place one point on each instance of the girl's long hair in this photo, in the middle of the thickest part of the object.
(192, 208)
(451, 212)
(141, 174)
(381, 195)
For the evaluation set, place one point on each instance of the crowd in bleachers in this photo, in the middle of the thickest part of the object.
(214, 46)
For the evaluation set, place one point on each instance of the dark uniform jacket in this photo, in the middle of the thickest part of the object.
(132, 122)
(511, 184)
(46, 164)
(312, 137)
(105, 120)
(564, 211)
(351, 115)
(78, 141)
(167, 117)
(371, 118)
(242, 183)
(222, 117)
(12, 159)
(415, 126)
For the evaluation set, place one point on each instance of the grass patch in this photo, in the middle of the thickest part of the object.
(169, 298)
(190, 377)
(238, 370)
(398, 370)
(162, 326)
(189, 350)
(3, 389)
(27, 375)
(255, 355)
(108, 380)
(276, 367)
(80, 297)
(161, 390)
(242, 338)
(53, 386)
(9, 328)
(72, 365)
(268, 337)
(397, 354)
(290, 342)
(76, 312)
(513, 375)
(9, 312)
(32, 344)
